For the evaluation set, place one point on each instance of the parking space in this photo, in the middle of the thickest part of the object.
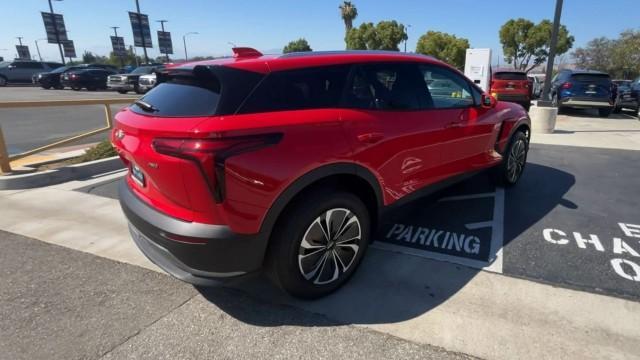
(572, 221)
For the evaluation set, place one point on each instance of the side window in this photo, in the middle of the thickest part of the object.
(311, 88)
(28, 65)
(386, 87)
(448, 89)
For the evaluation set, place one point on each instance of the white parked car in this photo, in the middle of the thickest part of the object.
(146, 82)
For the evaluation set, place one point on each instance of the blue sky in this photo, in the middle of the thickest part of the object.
(269, 25)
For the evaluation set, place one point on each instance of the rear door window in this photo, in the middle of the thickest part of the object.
(389, 86)
(591, 78)
(311, 88)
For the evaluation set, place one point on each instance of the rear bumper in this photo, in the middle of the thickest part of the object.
(197, 253)
(120, 86)
(585, 102)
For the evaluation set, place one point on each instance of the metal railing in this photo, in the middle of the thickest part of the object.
(6, 159)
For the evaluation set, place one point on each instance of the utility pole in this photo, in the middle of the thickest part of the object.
(162, 26)
(19, 40)
(55, 30)
(144, 46)
(546, 101)
(184, 42)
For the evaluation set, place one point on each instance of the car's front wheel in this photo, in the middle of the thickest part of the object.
(514, 160)
(319, 243)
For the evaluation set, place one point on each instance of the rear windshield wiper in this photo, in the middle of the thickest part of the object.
(146, 106)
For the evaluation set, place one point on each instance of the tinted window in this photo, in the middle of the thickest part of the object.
(387, 87)
(504, 75)
(27, 65)
(311, 88)
(595, 78)
(53, 65)
(182, 96)
(448, 89)
(143, 70)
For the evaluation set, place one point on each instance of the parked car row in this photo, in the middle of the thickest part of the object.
(20, 71)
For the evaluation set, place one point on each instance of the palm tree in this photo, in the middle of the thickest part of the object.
(348, 12)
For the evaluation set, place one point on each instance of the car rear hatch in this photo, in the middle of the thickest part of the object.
(171, 164)
(505, 82)
(589, 85)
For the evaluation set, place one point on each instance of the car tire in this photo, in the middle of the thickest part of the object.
(122, 91)
(137, 90)
(306, 262)
(46, 87)
(76, 88)
(514, 160)
(58, 87)
(604, 112)
(617, 110)
(3, 81)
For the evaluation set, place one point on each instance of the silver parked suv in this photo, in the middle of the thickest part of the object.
(21, 71)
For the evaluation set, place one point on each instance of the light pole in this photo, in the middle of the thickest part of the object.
(144, 47)
(184, 42)
(407, 39)
(552, 54)
(55, 30)
(162, 26)
(38, 48)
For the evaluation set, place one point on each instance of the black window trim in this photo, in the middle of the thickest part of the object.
(355, 66)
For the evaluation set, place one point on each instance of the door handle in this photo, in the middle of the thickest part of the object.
(370, 138)
(455, 124)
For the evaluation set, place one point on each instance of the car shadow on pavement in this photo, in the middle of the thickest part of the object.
(392, 286)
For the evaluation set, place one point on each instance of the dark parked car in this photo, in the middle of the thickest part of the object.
(53, 79)
(22, 71)
(583, 89)
(625, 96)
(124, 83)
(288, 161)
(91, 79)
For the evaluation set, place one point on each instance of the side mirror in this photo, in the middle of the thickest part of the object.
(488, 101)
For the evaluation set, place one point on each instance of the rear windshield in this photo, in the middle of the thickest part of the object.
(182, 96)
(510, 76)
(597, 78)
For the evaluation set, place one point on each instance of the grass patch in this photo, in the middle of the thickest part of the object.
(102, 150)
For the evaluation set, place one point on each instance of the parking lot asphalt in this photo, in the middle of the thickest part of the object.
(58, 303)
(28, 128)
(560, 225)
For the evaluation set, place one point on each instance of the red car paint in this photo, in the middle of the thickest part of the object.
(405, 150)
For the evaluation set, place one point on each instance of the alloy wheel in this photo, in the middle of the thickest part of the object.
(516, 160)
(329, 246)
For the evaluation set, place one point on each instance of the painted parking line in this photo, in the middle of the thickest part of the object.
(475, 240)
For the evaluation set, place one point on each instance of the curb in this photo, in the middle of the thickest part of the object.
(63, 174)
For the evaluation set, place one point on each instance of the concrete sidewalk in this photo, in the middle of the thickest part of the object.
(80, 306)
(424, 301)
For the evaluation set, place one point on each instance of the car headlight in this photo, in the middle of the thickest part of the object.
(39, 76)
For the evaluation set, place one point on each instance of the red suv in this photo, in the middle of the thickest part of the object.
(287, 162)
(512, 85)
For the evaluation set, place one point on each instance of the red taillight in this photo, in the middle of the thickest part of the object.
(211, 154)
(567, 85)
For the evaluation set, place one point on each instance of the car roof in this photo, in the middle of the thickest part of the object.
(267, 63)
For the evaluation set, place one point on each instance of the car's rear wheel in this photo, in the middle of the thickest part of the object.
(46, 87)
(514, 160)
(122, 91)
(604, 112)
(319, 243)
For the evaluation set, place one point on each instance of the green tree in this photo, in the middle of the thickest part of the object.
(386, 35)
(443, 46)
(526, 45)
(619, 57)
(90, 58)
(348, 12)
(297, 46)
